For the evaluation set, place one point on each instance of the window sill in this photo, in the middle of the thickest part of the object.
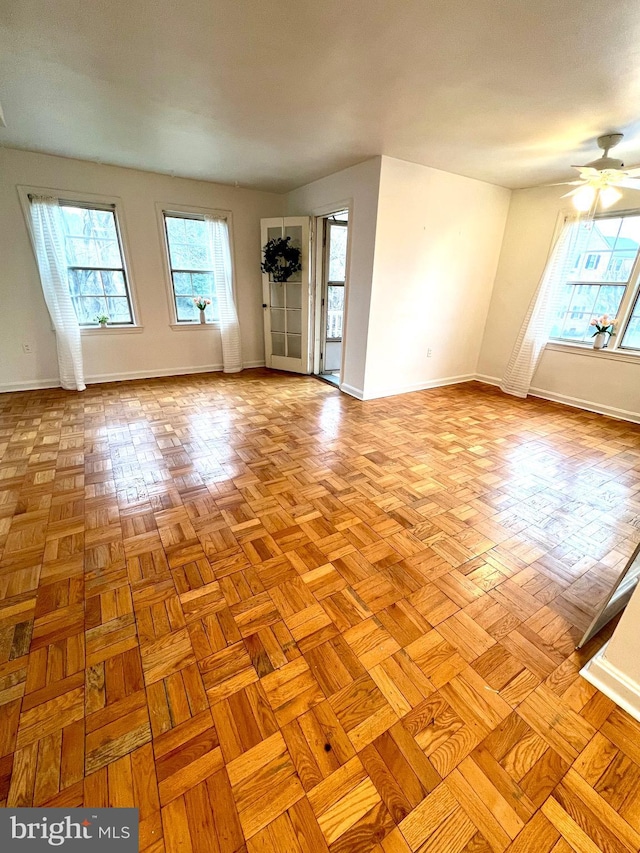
(186, 327)
(111, 330)
(586, 349)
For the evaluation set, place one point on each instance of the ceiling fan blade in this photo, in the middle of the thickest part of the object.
(565, 184)
(587, 171)
(629, 184)
(634, 172)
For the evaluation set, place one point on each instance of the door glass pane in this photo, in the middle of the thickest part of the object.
(274, 233)
(294, 295)
(277, 320)
(294, 346)
(335, 310)
(277, 343)
(295, 232)
(337, 252)
(277, 294)
(294, 321)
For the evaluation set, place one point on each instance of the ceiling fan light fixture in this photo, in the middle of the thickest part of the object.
(584, 198)
(601, 181)
(609, 196)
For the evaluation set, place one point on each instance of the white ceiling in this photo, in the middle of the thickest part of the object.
(275, 94)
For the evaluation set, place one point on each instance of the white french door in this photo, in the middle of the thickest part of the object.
(286, 303)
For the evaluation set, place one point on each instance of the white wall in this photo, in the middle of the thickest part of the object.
(356, 188)
(437, 246)
(615, 669)
(423, 249)
(598, 381)
(158, 349)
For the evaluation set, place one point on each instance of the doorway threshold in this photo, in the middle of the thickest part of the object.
(331, 378)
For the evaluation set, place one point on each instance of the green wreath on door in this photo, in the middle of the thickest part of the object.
(280, 259)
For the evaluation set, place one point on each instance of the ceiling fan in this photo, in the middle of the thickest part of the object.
(599, 180)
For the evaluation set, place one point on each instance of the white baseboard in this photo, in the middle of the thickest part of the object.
(575, 402)
(588, 405)
(419, 386)
(29, 385)
(121, 377)
(353, 392)
(613, 683)
(488, 380)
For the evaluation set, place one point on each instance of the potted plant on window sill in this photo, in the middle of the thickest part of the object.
(201, 304)
(604, 329)
(102, 320)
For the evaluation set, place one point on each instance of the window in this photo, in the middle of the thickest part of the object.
(191, 266)
(631, 336)
(603, 280)
(97, 276)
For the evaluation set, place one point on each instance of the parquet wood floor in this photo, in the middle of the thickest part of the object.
(277, 619)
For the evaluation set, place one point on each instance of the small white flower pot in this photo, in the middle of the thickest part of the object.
(600, 340)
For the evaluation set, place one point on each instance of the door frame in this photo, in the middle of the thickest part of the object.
(327, 225)
(319, 214)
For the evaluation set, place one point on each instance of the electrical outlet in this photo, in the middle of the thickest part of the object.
(27, 348)
(429, 352)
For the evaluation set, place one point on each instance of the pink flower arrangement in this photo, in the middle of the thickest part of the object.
(603, 325)
(201, 303)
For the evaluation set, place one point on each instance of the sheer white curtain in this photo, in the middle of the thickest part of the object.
(536, 326)
(48, 238)
(218, 232)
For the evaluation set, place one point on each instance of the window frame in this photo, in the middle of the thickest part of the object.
(92, 201)
(633, 299)
(630, 296)
(189, 212)
(109, 208)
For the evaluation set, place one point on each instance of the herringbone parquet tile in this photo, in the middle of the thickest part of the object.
(277, 619)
